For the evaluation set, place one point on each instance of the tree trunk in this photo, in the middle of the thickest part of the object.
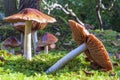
(29, 4)
(10, 7)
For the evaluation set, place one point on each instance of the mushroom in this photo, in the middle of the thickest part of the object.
(20, 26)
(47, 39)
(11, 42)
(89, 42)
(28, 15)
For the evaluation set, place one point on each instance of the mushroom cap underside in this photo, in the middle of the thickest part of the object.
(79, 33)
(98, 52)
(20, 26)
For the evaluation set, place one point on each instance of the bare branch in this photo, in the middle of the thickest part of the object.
(99, 6)
(112, 4)
(103, 6)
(60, 7)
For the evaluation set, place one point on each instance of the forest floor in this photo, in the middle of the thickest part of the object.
(15, 67)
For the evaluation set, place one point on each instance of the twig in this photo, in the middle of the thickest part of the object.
(60, 7)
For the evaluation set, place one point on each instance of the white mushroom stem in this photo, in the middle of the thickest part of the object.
(52, 46)
(67, 58)
(46, 49)
(27, 40)
(35, 40)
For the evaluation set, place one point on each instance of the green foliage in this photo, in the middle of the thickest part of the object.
(86, 12)
(7, 31)
(108, 37)
(17, 68)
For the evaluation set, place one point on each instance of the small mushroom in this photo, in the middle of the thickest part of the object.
(47, 39)
(11, 42)
(20, 26)
(28, 15)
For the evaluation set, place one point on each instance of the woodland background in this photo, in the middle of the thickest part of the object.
(85, 10)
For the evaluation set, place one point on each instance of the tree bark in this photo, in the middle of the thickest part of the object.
(10, 7)
(29, 4)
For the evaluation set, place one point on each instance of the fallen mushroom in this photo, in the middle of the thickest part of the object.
(79, 30)
(100, 51)
(79, 34)
(47, 39)
(95, 47)
(28, 15)
(11, 42)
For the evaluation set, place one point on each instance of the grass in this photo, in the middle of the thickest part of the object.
(15, 67)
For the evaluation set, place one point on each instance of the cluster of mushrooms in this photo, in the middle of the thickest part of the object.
(29, 20)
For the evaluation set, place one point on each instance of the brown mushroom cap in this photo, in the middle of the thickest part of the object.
(31, 15)
(98, 52)
(47, 39)
(20, 26)
(79, 33)
(11, 42)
